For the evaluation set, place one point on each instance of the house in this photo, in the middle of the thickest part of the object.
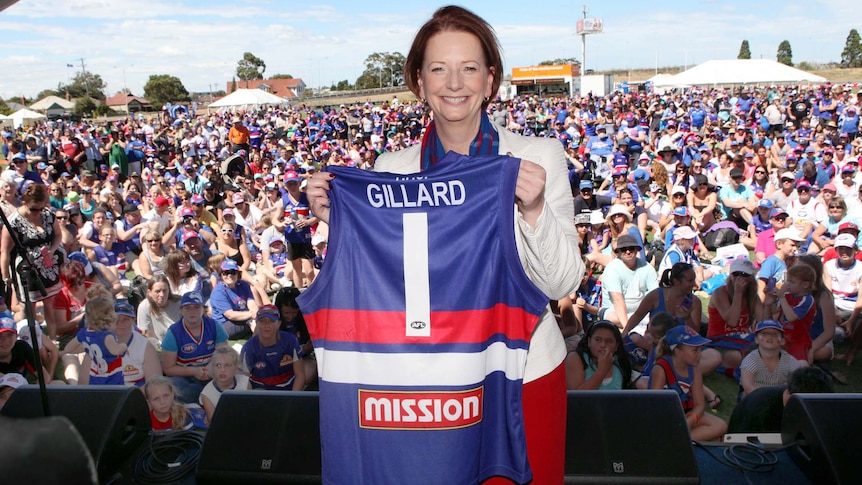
(126, 101)
(283, 88)
(53, 106)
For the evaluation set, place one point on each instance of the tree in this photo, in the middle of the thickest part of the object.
(250, 67)
(84, 107)
(342, 86)
(567, 60)
(382, 69)
(4, 108)
(103, 110)
(744, 50)
(45, 93)
(784, 54)
(281, 76)
(83, 84)
(164, 88)
(851, 56)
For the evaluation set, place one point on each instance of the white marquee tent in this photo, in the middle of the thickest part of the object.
(247, 98)
(24, 114)
(741, 71)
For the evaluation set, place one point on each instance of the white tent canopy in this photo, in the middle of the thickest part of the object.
(742, 71)
(22, 115)
(247, 97)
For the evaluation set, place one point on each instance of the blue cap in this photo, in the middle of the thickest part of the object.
(19, 156)
(765, 324)
(229, 265)
(685, 335)
(586, 184)
(681, 211)
(124, 308)
(192, 298)
(82, 258)
(268, 311)
(765, 203)
(777, 212)
(8, 325)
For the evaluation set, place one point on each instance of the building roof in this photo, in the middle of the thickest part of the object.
(52, 102)
(120, 99)
(283, 88)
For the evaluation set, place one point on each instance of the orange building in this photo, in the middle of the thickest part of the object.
(545, 80)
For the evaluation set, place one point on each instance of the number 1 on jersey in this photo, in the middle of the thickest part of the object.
(417, 286)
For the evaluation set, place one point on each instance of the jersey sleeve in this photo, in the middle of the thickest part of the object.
(221, 335)
(169, 343)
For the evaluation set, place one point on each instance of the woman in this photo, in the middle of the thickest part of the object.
(71, 299)
(8, 196)
(181, 274)
(227, 244)
(639, 214)
(38, 232)
(58, 196)
(673, 295)
(159, 310)
(234, 302)
(825, 232)
(87, 203)
(271, 202)
(733, 311)
(140, 362)
(455, 66)
(702, 201)
(760, 183)
(600, 362)
(152, 260)
(721, 175)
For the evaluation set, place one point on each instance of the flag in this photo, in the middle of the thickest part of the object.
(69, 65)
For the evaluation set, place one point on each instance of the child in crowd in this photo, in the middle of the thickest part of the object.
(214, 268)
(224, 367)
(166, 413)
(103, 253)
(100, 343)
(796, 310)
(658, 326)
(588, 299)
(600, 361)
(318, 242)
(271, 273)
(273, 358)
(676, 369)
(768, 365)
(601, 232)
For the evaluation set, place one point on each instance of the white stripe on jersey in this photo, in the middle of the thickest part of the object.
(420, 369)
(417, 292)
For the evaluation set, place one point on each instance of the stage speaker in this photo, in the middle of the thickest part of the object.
(44, 450)
(112, 420)
(262, 437)
(628, 437)
(821, 429)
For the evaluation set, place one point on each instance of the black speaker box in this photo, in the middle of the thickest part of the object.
(628, 437)
(44, 450)
(263, 437)
(112, 420)
(824, 432)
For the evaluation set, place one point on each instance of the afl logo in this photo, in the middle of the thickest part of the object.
(189, 348)
(418, 325)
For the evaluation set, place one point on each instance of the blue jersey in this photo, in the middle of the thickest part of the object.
(291, 210)
(105, 367)
(675, 382)
(272, 367)
(194, 351)
(421, 371)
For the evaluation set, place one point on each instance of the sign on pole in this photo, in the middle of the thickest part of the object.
(589, 26)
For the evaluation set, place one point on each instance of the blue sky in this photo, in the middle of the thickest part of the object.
(125, 41)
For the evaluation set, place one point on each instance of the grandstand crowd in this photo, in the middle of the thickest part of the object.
(177, 246)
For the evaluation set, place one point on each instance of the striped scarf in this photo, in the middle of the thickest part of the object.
(487, 142)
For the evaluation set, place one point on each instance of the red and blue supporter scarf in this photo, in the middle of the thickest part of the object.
(487, 142)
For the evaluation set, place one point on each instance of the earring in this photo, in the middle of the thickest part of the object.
(423, 100)
(487, 98)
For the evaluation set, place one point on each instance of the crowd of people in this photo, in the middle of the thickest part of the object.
(171, 252)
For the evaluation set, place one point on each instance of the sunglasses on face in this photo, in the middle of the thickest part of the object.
(803, 189)
(230, 272)
(582, 225)
(835, 207)
(678, 196)
(780, 218)
(760, 172)
(62, 218)
(631, 249)
(786, 180)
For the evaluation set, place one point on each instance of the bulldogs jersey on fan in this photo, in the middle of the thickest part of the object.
(421, 320)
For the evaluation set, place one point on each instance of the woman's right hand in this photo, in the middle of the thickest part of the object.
(605, 360)
(317, 191)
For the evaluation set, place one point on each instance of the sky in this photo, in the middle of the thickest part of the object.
(323, 42)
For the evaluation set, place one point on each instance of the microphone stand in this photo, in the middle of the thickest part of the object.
(25, 274)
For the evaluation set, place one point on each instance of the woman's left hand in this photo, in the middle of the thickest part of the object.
(530, 191)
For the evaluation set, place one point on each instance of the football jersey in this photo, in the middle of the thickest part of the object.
(421, 320)
(105, 367)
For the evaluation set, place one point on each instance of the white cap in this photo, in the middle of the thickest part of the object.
(317, 239)
(683, 232)
(12, 380)
(788, 233)
(678, 189)
(742, 265)
(845, 241)
(24, 333)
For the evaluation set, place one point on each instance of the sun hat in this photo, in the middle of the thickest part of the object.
(618, 209)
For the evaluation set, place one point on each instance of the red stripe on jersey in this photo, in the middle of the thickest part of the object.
(384, 327)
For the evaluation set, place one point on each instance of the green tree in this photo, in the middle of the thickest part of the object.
(744, 50)
(281, 76)
(103, 110)
(785, 53)
(250, 67)
(45, 93)
(84, 107)
(567, 60)
(164, 88)
(342, 86)
(851, 56)
(382, 69)
(4, 108)
(83, 84)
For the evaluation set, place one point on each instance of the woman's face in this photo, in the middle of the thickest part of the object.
(160, 293)
(454, 78)
(626, 199)
(288, 313)
(184, 266)
(226, 232)
(687, 279)
(124, 325)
